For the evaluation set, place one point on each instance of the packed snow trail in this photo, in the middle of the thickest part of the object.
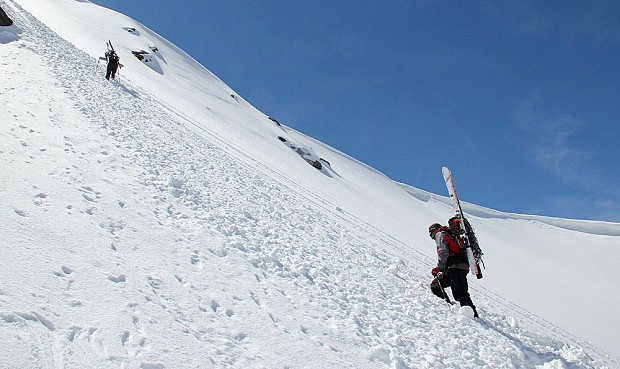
(199, 223)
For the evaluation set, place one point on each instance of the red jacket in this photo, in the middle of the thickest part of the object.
(449, 254)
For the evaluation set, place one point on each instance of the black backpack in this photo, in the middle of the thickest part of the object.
(113, 58)
(467, 233)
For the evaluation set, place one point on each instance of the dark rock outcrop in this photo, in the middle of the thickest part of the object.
(275, 121)
(4, 19)
(307, 154)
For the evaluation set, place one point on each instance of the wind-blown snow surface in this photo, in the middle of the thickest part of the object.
(158, 222)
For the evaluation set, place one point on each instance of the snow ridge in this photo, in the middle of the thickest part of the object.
(586, 226)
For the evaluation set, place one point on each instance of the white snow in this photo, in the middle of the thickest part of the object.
(157, 221)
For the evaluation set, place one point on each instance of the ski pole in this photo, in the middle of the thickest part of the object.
(443, 292)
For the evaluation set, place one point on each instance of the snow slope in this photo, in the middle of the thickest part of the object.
(158, 222)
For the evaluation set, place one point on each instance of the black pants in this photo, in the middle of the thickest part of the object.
(456, 279)
(111, 71)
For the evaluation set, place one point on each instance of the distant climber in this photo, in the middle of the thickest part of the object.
(452, 267)
(113, 63)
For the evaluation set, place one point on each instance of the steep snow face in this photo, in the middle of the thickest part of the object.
(202, 102)
(158, 221)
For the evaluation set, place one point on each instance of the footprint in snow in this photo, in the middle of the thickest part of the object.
(38, 198)
(219, 251)
(255, 298)
(118, 279)
(240, 336)
(214, 305)
(195, 259)
(64, 271)
(89, 192)
(155, 283)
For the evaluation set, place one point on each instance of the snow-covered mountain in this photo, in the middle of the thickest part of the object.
(161, 221)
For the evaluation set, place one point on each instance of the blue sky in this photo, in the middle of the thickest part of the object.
(520, 99)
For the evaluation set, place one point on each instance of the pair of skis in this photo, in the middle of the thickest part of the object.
(109, 46)
(474, 253)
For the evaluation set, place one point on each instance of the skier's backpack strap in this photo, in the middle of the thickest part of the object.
(453, 246)
(454, 224)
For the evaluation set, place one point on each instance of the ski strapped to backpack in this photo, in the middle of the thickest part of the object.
(461, 227)
(112, 55)
(109, 45)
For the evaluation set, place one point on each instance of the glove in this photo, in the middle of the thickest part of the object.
(435, 271)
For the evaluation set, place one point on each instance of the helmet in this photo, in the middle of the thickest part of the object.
(433, 228)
